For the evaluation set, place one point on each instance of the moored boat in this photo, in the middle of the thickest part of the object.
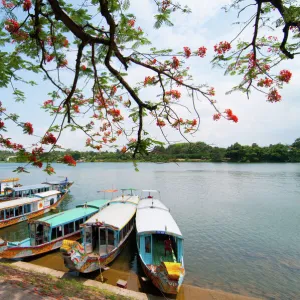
(8, 183)
(14, 191)
(104, 235)
(46, 234)
(160, 244)
(22, 209)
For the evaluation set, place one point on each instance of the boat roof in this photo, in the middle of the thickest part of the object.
(150, 191)
(46, 194)
(30, 187)
(126, 198)
(154, 217)
(94, 203)
(18, 202)
(56, 182)
(116, 215)
(67, 216)
(9, 180)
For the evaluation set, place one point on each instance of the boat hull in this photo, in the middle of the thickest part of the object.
(23, 252)
(77, 260)
(160, 279)
(16, 220)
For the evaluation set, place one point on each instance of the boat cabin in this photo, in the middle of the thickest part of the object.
(8, 183)
(23, 206)
(110, 227)
(58, 185)
(26, 190)
(59, 225)
(158, 236)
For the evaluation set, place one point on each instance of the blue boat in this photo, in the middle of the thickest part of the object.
(47, 234)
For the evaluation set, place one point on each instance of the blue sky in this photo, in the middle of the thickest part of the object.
(260, 122)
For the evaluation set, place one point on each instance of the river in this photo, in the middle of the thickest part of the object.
(240, 222)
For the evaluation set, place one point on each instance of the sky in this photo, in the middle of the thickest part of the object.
(259, 121)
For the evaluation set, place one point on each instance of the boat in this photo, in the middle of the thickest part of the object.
(15, 192)
(46, 234)
(8, 183)
(160, 244)
(104, 235)
(22, 209)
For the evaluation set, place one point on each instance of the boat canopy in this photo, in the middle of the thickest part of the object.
(9, 180)
(47, 194)
(154, 217)
(64, 182)
(94, 203)
(18, 202)
(66, 216)
(116, 215)
(126, 198)
(28, 187)
(107, 191)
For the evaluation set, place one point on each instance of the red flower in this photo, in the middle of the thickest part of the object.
(267, 82)
(12, 25)
(285, 76)
(114, 112)
(1, 124)
(7, 5)
(26, 5)
(131, 22)
(119, 132)
(211, 91)
(48, 103)
(63, 63)
(83, 67)
(27, 128)
(160, 123)
(65, 43)
(187, 52)
(216, 117)
(113, 90)
(194, 122)
(274, 96)
(76, 108)
(234, 118)
(68, 159)
(37, 151)
(222, 47)
(202, 51)
(49, 57)
(124, 149)
(174, 94)
(104, 139)
(175, 63)
(231, 116)
(49, 138)
(49, 170)
(38, 164)
(149, 80)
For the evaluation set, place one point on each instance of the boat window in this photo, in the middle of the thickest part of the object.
(148, 244)
(27, 208)
(69, 228)
(51, 201)
(46, 234)
(10, 213)
(1, 214)
(18, 211)
(110, 237)
(59, 231)
(53, 233)
(77, 223)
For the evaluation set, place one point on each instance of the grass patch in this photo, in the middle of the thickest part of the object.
(45, 285)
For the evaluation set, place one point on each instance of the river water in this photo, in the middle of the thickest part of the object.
(240, 222)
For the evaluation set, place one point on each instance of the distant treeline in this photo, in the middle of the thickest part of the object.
(187, 152)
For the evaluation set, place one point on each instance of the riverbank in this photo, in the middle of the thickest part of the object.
(21, 280)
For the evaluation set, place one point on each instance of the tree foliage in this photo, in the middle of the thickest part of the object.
(37, 37)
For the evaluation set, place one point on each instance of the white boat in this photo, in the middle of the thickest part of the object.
(104, 235)
(160, 244)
